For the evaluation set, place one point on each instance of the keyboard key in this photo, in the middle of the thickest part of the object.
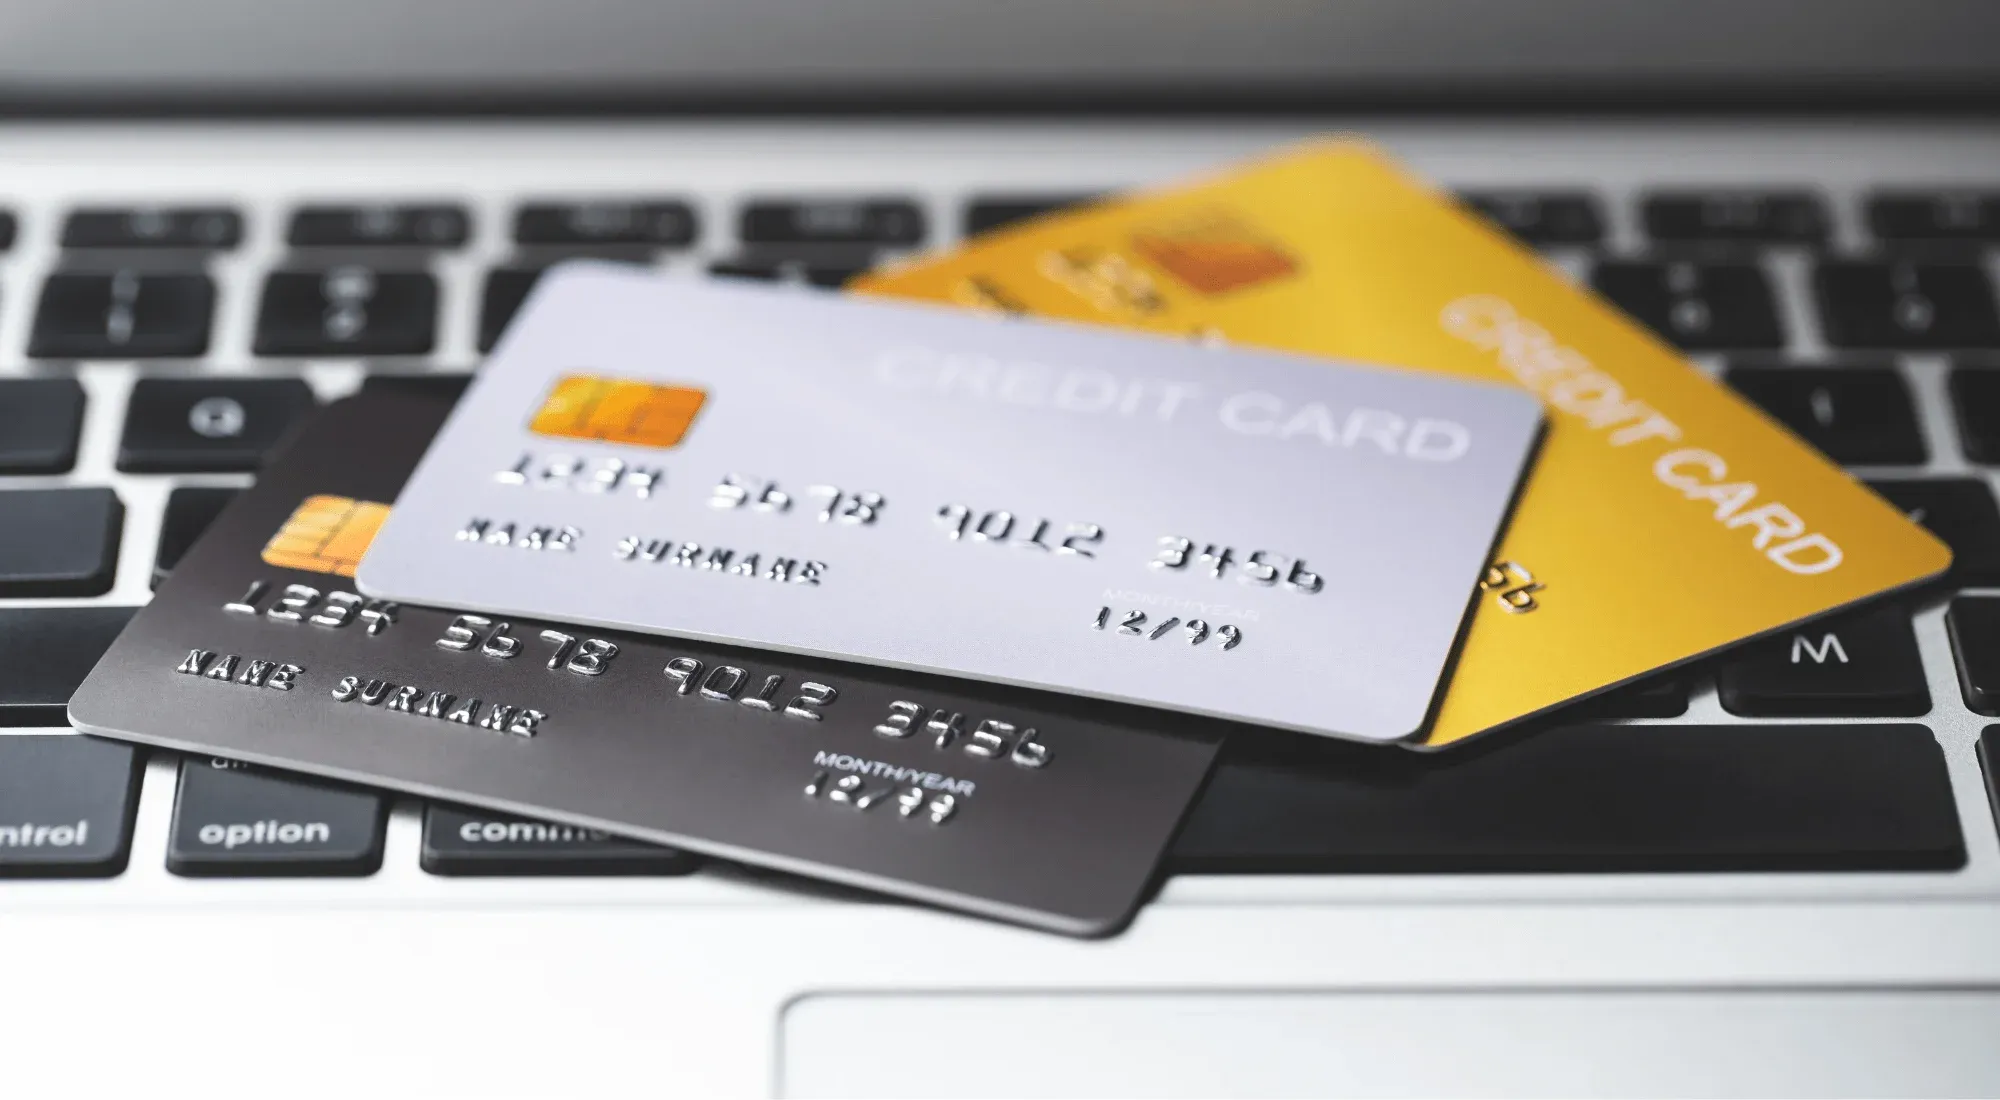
(189, 512)
(1860, 664)
(1543, 217)
(1859, 416)
(46, 652)
(1975, 398)
(832, 221)
(348, 310)
(59, 542)
(989, 212)
(1959, 510)
(387, 226)
(40, 419)
(475, 842)
(8, 227)
(1734, 217)
(442, 385)
(1935, 215)
(122, 315)
(826, 269)
(66, 805)
(1974, 625)
(661, 224)
(1696, 307)
(506, 289)
(1906, 305)
(232, 820)
(1989, 766)
(187, 425)
(193, 227)
(1855, 797)
(1655, 697)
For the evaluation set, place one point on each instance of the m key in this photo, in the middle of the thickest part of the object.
(1865, 664)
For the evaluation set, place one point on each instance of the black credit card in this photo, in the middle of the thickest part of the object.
(1022, 806)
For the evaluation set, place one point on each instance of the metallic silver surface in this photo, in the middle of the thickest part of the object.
(604, 740)
(930, 406)
(700, 52)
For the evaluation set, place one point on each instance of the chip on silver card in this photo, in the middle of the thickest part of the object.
(1027, 807)
(1253, 535)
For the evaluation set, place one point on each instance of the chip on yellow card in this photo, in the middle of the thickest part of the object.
(1214, 252)
(326, 534)
(645, 414)
(1667, 517)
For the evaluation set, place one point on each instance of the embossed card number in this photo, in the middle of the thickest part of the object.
(990, 801)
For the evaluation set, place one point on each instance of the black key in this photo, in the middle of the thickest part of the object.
(663, 224)
(443, 385)
(506, 289)
(66, 805)
(388, 226)
(475, 842)
(989, 212)
(1695, 306)
(1989, 746)
(7, 229)
(59, 542)
(1542, 217)
(1734, 217)
(122, 315)
(1974, 625)
(1935, 215)
(40, 419)
(192, 227)
(1975, 398)
(189, 512)
(1860, 416)
(184, 425)
(1959, 510)
(831, 276)
(47, 651)
(232, 820)
(822, 267)
(348, 310)
(1863, 664)
(1856, 797)
(832, 221)
(746, 267)
(1906, 305)
(1656, 697)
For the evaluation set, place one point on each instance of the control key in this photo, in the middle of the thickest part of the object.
(66, 805)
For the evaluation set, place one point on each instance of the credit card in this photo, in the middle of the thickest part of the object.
(1015, 805)
(1666, 517)
(1239, 534)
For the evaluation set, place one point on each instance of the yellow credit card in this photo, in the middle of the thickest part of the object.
(326, 534)
(1666, 517)
(582, 406)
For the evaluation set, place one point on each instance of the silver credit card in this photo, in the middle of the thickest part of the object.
(1251, 535)
(1026, 807)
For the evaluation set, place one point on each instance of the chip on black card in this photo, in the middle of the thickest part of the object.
(1017, 805)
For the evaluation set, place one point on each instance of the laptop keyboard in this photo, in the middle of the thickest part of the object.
(1882, 349)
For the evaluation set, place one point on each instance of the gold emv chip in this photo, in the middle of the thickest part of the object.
(1215, 253)
(583, 406)
(326, 534)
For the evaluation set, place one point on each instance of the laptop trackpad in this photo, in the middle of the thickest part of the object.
(1595, 1043)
